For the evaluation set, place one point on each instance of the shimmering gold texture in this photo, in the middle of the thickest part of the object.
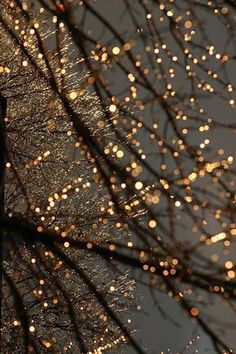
(97, 176)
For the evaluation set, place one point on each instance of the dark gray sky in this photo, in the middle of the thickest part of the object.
(154, 332)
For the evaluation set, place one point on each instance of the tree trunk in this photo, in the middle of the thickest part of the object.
(3, 111)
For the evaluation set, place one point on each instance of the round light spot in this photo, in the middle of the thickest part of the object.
(188, 24)
(138, 185)
(73, 95)
(116, 50)
(119, 154)
(228, 265)
(152, 224)
(112, 108)
(194, 311)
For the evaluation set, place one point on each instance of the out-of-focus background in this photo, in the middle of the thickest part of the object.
(173, 332)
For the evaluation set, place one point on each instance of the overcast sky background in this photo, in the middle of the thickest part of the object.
(155, 333)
